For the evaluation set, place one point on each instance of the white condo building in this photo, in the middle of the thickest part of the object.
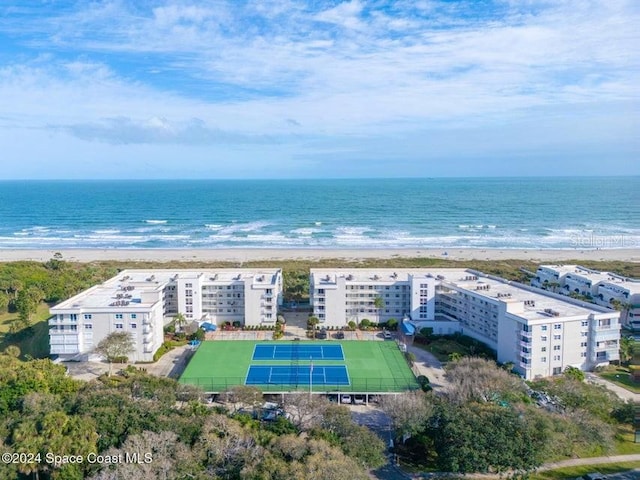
(540, 332)
(603, 288)
(142, 302)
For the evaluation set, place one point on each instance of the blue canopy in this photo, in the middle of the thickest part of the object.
(208, 327)
(408, 329)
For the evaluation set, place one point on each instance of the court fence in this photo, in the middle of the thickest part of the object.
(368, 385)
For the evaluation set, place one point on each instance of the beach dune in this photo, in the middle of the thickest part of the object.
(275, 254)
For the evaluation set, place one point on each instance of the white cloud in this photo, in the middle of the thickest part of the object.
(230, 73)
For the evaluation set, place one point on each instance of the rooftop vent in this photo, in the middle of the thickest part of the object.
(349, 277)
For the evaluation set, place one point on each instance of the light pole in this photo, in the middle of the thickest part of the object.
(310, 376)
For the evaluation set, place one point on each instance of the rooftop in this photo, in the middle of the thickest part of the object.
(134, 289)
(528, 302)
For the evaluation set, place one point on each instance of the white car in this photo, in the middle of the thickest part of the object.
(387, 334)
(345, 399)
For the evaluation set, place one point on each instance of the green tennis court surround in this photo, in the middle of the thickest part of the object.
(373, 367)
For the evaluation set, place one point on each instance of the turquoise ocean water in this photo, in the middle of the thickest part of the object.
(373, 213)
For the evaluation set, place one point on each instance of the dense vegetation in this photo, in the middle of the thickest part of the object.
(44, 411)
(488, 421)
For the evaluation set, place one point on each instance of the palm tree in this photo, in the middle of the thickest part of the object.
(626, 349)
(180, 321)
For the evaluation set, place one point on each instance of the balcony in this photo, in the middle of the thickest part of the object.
(524, 334)
(525, 343)
(147, 329)
(525, 355)
(526, 366)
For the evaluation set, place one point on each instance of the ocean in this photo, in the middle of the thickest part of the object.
(541, 213)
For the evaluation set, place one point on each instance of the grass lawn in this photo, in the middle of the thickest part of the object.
(620, 376)
(572, 473)
(442, 347)
(624, 441)
(372, 366)
(35, 342)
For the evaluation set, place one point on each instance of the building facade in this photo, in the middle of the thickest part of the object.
(142, 302)
(540, 332)
(602, 288)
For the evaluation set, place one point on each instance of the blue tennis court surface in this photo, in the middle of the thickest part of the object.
(297, 375)
(298, 352)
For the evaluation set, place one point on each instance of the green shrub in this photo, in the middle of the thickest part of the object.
(392, 324)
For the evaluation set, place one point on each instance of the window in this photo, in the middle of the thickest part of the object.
(88, 326)
(584, 334)
(87, 316)
(585, 324)
(133, 325)
(543, 338)
(188, 285)
(557, 370)
(73, 317)
(583, 344)
(556, 347)
(544, 328)
(134, 316)
(543, 359)
(119, 326)
(583, 354)
(544, 349)
(73, 328)
(556, 357)
(188, 293)
(118, 316)
(557, 337)
(557, 326)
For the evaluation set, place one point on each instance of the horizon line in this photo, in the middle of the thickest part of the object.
(173, 179)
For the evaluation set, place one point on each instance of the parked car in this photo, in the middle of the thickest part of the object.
(345, 398)
(358, 399)
(322, 334)
(339, 335)
(387, 335)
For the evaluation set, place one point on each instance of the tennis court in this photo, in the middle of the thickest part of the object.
(297, 375)
(297, 351)
(363, 367)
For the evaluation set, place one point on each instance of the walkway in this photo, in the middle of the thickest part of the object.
(429, 366)
(623, 393)
(572, 462)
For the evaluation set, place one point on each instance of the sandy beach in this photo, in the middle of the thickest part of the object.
(266, 254)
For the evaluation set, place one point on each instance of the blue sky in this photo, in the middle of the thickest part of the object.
(287, 88)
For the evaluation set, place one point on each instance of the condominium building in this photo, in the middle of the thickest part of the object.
(142, 302)
(540, 332)
(603, 288)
